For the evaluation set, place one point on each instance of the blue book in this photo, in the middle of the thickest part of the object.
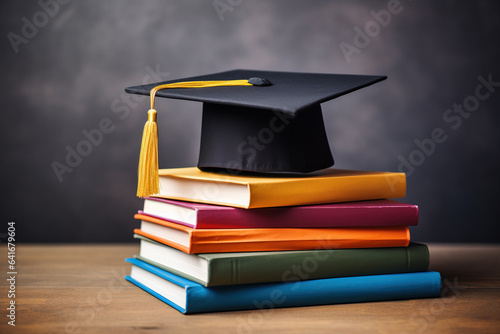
(190, 297)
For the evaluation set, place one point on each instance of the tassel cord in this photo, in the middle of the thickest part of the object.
(148, 174)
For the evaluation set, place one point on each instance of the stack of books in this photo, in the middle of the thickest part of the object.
(219, 242)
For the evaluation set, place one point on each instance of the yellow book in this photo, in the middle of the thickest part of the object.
(252, 191)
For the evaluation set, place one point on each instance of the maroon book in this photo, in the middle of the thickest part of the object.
(351, 214)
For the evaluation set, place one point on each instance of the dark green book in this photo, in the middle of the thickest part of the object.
(259, 267)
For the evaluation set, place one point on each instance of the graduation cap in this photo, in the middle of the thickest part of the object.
(255, 121)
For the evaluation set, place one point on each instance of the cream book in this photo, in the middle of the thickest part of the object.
(257, 191)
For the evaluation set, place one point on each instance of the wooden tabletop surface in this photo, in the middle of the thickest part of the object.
(81, 289)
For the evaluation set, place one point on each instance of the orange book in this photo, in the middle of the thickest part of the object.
(194, 241)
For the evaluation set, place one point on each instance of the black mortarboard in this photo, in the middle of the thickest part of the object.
(275, 125)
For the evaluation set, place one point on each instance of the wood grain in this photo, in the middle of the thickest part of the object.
(81, 289)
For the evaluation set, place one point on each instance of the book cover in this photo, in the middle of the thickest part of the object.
(351, 214)
(257, 191)
(190, 297)
(216, 269)
(191, 240)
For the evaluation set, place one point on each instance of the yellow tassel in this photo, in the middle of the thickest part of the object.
(148, 174)
(148, 161)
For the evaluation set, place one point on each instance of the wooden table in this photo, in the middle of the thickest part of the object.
(81, 289)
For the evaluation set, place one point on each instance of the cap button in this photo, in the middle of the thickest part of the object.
(259, 82)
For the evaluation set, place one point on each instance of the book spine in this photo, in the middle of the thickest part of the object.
(247, 240)
(317, 264)
(309, 216)
(314, 292)
(317, 191)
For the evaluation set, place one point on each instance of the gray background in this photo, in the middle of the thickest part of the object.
(71, 73)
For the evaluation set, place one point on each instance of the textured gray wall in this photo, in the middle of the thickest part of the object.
(64, 73)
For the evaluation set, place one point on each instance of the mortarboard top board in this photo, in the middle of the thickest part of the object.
(273, 123)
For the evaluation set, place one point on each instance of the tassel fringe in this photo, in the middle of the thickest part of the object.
(148, 183)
